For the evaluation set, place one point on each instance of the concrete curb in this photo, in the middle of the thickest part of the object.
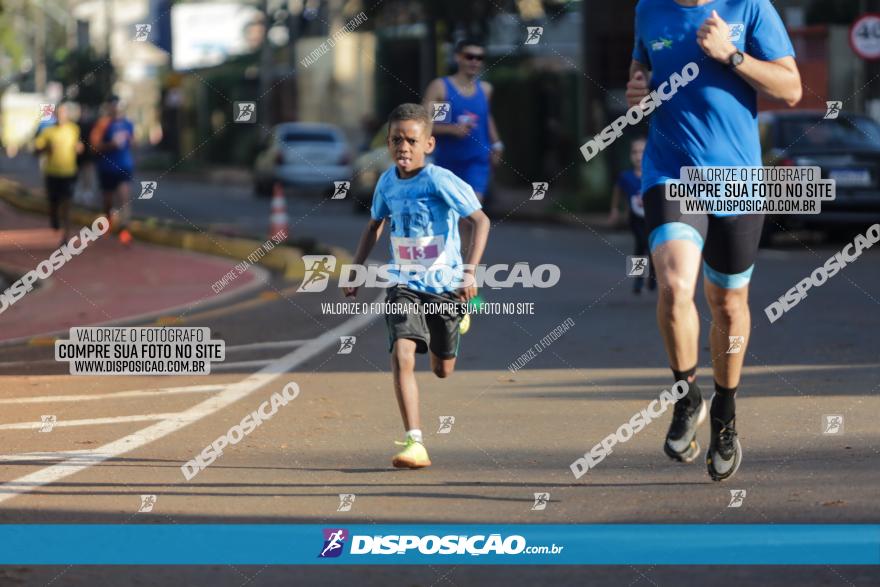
(284, 259)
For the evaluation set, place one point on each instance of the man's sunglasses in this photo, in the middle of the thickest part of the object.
(473, 56)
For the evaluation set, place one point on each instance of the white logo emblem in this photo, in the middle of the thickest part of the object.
(539, 190)
(736, 31)
(833, 110)
(147, 503)
(636, 266)
(736, 344)
(832, 424)
(446, 423)
(346, 500)
(48, 422)
(541, 500)
(142, 31)
(346, 345)
(441, 111)
(319, 268)
(737, 497)
(533, 36)
(340, 190)
(148, 188)
(245, 112)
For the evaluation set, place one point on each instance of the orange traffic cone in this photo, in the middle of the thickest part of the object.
(278, 214)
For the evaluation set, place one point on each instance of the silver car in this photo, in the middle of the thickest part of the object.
(303, 155)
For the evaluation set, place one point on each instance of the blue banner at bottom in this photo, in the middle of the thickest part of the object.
(488, 544)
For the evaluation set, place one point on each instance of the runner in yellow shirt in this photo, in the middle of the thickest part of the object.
(60, 144)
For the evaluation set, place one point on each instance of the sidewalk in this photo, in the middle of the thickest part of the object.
(106, 283)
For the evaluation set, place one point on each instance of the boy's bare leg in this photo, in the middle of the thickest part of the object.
(403, 368)
(442, 368)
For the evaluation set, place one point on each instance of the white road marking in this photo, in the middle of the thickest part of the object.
(119, 394)
(240, 364)
(49, 456)
(88, 422)
(231, 394)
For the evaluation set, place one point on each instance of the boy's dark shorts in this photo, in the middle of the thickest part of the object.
(437, 331)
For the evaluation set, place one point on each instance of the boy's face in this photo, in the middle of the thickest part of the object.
(408, 143)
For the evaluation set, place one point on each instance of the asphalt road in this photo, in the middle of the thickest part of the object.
(514, 433)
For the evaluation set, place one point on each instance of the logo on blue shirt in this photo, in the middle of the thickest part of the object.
(661, 44)
(736, 31)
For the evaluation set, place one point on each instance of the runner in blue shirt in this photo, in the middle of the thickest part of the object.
(111, 138)
(424, 205)
(742, 49)
(629, 184)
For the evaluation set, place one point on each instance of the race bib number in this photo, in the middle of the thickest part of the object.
(637, 205)
(426, 251)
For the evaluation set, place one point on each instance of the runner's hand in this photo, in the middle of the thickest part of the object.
(495, 158)
(636, 89)
(467, 293)
(714, 38)
(462, 129)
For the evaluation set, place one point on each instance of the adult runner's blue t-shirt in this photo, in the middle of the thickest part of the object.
(118, 160)
(713, 120)
(424, 212)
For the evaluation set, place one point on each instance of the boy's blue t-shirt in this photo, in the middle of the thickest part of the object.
(631, 184)
(713, 121)
(424, 212)
(117, 161)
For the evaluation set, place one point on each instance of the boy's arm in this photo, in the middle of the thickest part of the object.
(480, 223)
(369, 238)
(614, 214)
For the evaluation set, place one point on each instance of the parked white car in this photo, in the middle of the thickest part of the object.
(303, 155)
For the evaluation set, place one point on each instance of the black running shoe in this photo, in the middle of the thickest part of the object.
(681, 440)
(725, 451)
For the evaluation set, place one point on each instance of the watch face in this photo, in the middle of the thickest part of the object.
(737, 59)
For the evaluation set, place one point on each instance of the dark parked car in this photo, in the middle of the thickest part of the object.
(846, 148)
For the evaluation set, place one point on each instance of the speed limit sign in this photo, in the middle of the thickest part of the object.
(864, 37)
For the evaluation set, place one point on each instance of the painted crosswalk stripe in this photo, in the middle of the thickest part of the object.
(43, 399)
(232, 393)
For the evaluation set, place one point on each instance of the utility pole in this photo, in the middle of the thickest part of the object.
(39, 15)
(265, 67)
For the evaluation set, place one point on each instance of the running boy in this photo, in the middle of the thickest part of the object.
(630, 184)
(424, 204)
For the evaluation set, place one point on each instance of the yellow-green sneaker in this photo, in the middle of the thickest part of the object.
(413, 455)
(465, 324)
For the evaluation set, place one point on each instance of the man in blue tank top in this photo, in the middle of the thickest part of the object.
(467, 139)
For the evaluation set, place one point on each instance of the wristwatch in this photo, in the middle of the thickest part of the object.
(736, 59)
